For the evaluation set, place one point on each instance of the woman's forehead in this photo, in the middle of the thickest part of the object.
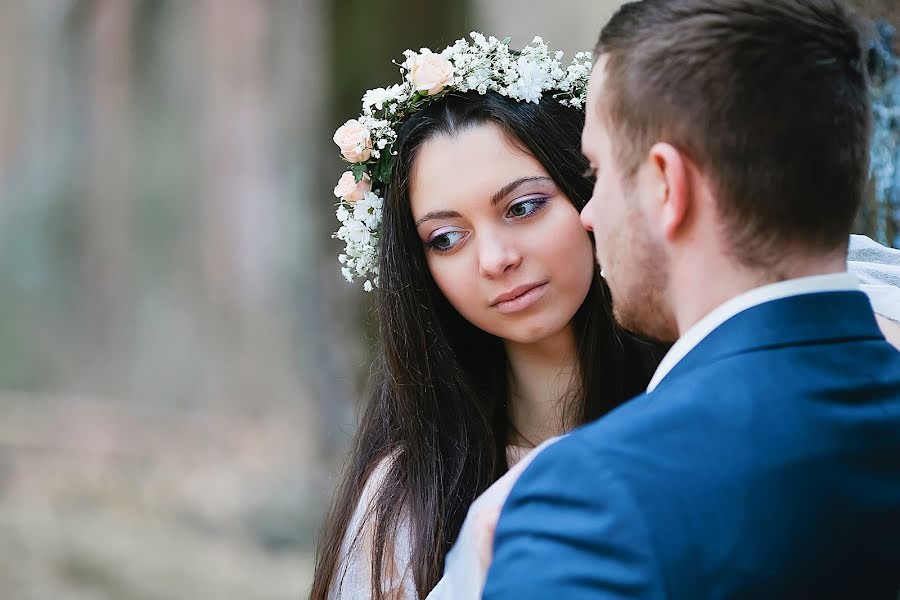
(468, 166)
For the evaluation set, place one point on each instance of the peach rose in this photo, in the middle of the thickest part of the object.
(354, 140)
(350, 190)
(430, 72)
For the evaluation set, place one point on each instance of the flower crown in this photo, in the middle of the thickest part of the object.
(485, 64)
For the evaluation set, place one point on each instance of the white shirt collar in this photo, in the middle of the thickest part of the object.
(837, 282)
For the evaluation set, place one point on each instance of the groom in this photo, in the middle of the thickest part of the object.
(730, 142)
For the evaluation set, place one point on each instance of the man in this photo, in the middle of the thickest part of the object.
(730, 142)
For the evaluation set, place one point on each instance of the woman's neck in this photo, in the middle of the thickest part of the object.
(540, 376)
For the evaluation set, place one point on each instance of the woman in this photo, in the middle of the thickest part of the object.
(494, 322)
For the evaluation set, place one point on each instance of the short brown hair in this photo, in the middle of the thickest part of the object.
(768, 97)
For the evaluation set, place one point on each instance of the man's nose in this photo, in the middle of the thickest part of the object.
(586, 221)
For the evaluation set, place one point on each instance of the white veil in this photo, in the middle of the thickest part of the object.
(878, 269)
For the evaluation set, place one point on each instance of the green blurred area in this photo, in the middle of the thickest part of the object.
(179, 360)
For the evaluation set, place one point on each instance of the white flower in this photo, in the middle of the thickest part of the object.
(368, 210)
(379, 96)
(358, 233)
(347, 274)
(367, 286)
(361, 208)
(532, 80)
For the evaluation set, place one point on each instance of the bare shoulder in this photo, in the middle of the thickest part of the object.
(353, 578)
(890, 329)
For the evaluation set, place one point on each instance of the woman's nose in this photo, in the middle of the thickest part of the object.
(497, 255)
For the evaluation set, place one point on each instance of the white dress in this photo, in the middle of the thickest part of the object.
(353, 579)
(465, 569)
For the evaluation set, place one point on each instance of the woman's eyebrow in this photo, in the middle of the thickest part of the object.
(495, 199)
(439, 214)
(512, 185)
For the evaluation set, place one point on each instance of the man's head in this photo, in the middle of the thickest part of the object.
(739, 125)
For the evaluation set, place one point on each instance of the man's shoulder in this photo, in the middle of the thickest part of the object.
(595, 455)
(577, 476)
(718, 405)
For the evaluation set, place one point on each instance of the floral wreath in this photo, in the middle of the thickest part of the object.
(485, 64)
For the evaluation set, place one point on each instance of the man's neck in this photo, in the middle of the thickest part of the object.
(699, 289)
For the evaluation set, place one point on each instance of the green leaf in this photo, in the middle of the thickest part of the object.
(358, 170)
(506, 41)
(384, 166)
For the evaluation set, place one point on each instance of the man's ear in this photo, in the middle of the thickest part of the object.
(670, 185)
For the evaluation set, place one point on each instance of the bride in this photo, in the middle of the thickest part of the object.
(461, 206)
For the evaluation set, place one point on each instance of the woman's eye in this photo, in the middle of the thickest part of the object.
(526, 208)
(445, 241)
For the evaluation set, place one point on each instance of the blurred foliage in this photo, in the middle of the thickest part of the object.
(366, 40)
(158, 439)
(880, 217)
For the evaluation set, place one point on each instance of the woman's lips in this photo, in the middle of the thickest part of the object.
(520, 298)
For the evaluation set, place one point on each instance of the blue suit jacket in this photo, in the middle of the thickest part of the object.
(765, 465)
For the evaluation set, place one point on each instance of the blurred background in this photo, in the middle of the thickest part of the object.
(180, 359)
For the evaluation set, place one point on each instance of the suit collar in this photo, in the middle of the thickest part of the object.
(804, 319)
(766, 293)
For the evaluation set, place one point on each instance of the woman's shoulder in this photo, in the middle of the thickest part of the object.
(377, 475)
(353, 578)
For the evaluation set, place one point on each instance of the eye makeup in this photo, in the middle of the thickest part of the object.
(523, 207)
(531, 205)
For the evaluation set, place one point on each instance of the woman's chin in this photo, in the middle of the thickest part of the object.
(533, 333)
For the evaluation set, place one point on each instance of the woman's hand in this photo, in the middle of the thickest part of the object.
(890, 329)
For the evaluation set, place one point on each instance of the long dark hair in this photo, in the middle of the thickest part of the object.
(440, 389)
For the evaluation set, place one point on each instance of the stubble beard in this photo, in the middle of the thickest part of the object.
(644, 314)
(638, 282)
